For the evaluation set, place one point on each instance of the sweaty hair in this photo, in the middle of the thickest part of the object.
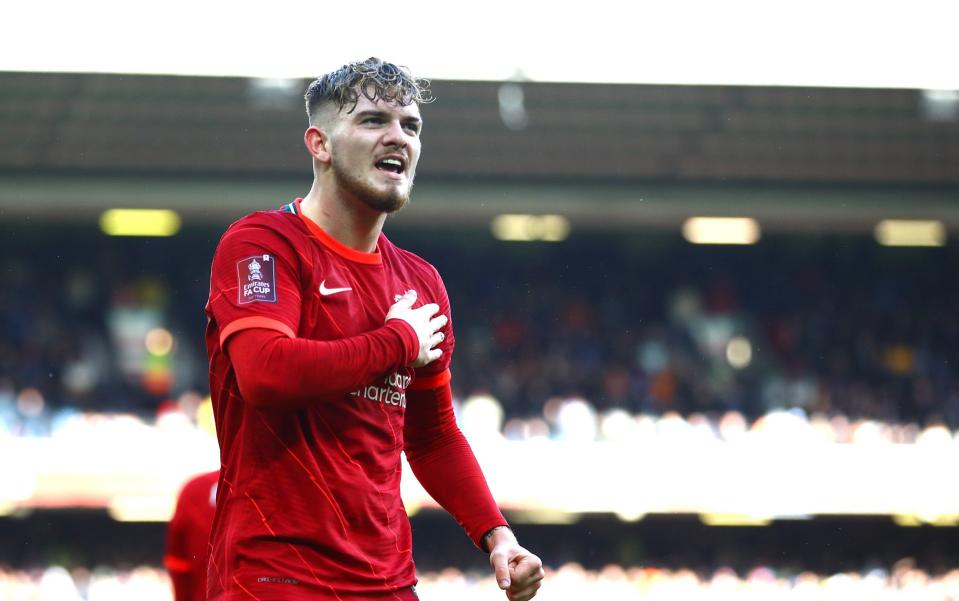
(374, 79)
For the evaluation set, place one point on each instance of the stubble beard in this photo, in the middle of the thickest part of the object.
(389, 200)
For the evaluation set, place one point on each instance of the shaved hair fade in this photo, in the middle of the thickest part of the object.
(373, 78)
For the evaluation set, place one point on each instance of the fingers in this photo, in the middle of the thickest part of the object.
(439, 321)
(428, 309)
(532, 576)
(535, 574)
(527, 577)
(407, 299)
(429, 352)
(500, 565)
(525, 588)
(402, 307)
(523, 594)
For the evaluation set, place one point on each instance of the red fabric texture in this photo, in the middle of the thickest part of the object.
(277, 372)
(188, 537)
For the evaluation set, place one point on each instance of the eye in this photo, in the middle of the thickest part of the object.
(372, 120)
(412, 127)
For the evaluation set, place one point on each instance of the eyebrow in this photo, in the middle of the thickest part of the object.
(377, 113)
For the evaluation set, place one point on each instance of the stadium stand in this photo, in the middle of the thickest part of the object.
(815, 338)
(836, 325)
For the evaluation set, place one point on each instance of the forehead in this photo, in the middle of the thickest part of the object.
(365, 104)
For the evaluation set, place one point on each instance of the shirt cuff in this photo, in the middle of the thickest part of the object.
(408, 336)
(256, 321)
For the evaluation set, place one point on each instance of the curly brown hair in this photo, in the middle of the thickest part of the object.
(374, 78)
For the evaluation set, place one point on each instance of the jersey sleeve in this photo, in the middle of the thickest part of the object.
(255, 282)
(437, 374)
(444, 463)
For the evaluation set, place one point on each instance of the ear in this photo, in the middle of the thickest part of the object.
(317, 143)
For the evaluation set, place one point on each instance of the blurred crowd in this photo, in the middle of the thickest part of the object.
(188, 419)
(636, 325)
(844, 327)
(620, 338)
(904, 580)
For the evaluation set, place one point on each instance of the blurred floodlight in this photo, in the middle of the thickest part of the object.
(618, 425)
(739, 352)
(511, 106)
(908, 232)
(482, 417)
(275, 93)
(939, 105)
(529, 228)
(576, 421)
(733, 519)
(159, 342)
(19, 483)
(141, 508)
(56, 584)
(544, 515)
(139, 222)
(630, 515)
(275, 85)
(721, 230)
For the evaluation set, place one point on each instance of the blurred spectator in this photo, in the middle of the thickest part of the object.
(188, 537)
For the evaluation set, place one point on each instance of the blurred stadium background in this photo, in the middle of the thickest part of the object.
(764, 405)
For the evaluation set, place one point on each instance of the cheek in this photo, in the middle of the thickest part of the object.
(415, 154)
(348, 156)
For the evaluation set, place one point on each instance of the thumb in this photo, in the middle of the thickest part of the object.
(501, 569)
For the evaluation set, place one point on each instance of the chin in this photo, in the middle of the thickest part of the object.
(388, 203)
(388, 198)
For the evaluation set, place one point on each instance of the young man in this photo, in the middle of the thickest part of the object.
(188, 537)
(329, 355)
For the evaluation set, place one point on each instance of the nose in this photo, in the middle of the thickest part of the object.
(394, 135)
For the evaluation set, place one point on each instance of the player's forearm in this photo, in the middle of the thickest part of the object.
(275, 371)
(451, 475)
(444, 463)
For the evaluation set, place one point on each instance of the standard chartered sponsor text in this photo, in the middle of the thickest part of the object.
(391, 392)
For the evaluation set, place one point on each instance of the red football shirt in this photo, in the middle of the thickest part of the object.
(309, 504)
(188, 537)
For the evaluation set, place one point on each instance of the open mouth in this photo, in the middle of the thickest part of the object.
(391, 165)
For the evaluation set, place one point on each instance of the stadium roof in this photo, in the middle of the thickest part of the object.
(610, 155)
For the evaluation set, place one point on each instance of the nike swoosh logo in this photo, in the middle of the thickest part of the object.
(328, 291)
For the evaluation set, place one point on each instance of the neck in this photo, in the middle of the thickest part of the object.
(348, 220)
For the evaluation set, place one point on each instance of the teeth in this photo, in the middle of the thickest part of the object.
(394, 165)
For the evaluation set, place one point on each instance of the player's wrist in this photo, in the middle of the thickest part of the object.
(408, 337)
(496, 535)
